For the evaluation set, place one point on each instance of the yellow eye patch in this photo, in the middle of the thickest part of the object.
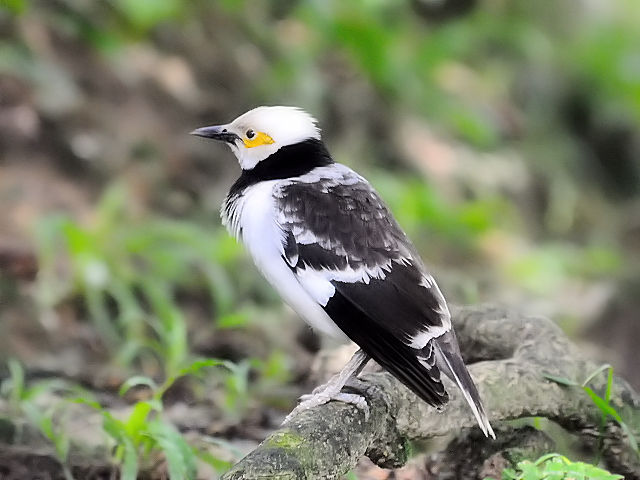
(260, 138)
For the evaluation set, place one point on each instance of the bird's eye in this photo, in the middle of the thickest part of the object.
(250, 134)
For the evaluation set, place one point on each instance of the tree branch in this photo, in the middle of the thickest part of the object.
(509, 354)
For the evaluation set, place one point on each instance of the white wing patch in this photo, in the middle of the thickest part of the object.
(316, 284)
(421, 339)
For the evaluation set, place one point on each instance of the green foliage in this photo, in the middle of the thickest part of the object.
(274, 369)
(600, 57)
(193, 369)
(236, 390)
(418, 207)
(544, 269)
(556, 467)
(13, 6)
(128, 269)
(180, 457)
(405, 60)
(220, 465)
(14, 387)
(144, 434)
(351, 475)
(602, 402)
(23, 401)
(43, 420)
(450, 71)
(146, 14)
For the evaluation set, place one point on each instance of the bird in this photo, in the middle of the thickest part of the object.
(322, 236)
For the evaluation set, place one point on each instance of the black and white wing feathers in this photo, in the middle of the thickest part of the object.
(337, 228)
(351, 256)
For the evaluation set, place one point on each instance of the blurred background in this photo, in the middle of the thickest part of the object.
(504, 135)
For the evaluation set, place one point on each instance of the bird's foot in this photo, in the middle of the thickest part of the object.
(325, 394)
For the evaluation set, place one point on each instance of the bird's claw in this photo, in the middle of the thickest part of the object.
(321, 397)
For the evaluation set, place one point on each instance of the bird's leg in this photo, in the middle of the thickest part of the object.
(351, 370)
(332, 389)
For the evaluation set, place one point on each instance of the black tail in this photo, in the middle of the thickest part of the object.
(449, 361)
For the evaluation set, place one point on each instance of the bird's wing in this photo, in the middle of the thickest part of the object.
(350, 255)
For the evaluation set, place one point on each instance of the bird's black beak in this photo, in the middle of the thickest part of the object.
(216, 132)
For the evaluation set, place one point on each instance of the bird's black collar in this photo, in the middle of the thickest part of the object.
(290, 161)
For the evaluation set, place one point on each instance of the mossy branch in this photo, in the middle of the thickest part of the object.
(509, 354)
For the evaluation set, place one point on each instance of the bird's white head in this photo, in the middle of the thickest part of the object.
(262, 131)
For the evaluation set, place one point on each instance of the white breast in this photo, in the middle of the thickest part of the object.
(256, 216)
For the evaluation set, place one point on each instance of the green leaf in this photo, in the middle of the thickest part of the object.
(44, 422)
(605, 406)
(607, 396)
(145, 14)
(596, 372)
(118, 432)
(136, 381)
(89, 403)
(556, 467)
(14, 6)
(218, 464)
(602, 404)
(232, 320)
(16, 376)
(560, 380)
(198, 364)
(550, 456)
(529, 471)
(509, 474)
(181, 460)
(136, 424)
(61, 443)
(275, 367)
(351, 475)
(192, 369)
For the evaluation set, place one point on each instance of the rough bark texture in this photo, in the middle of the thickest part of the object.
(509, 354)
